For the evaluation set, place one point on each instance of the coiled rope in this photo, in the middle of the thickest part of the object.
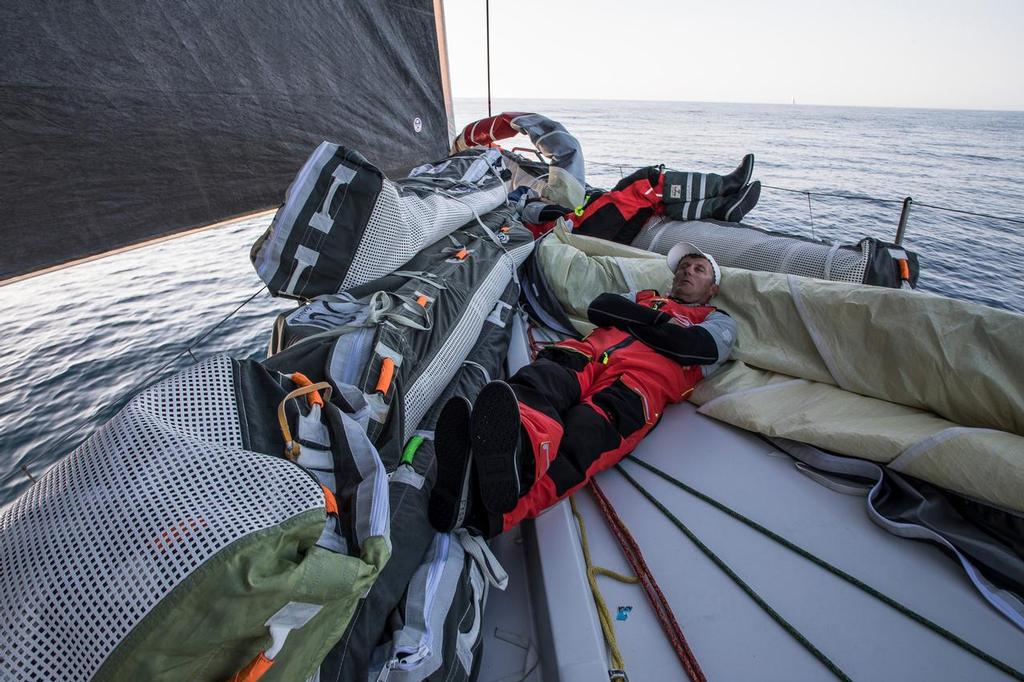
(856, 582)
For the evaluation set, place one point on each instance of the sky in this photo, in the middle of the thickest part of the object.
(895, 53)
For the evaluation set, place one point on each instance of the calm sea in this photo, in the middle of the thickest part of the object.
(79, 342)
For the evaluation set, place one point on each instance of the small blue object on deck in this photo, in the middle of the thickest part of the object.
(623, 612)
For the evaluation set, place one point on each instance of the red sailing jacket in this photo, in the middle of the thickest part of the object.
(618, 354)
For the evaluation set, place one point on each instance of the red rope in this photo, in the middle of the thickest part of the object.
(662, 610)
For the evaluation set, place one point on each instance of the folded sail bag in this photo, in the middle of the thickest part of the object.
(402, 337)
(343, 223)
(410, 480)
(196, 536)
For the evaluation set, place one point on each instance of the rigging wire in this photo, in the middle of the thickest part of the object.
(199, 339)
(835, 570)
(1017, 221)
(810, 213)
(487, 10)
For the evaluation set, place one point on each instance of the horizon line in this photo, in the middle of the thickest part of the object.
(1018, 109)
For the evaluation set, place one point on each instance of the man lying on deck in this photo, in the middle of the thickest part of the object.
(581, 406)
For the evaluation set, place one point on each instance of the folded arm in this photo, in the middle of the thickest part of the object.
(707, 343)
(612, 310)
(686, 345)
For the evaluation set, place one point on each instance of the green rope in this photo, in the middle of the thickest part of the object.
(785, 624)
(835, 570)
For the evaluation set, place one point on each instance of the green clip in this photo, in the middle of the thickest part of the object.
(409, 453)
(604, 358)
(578, 210)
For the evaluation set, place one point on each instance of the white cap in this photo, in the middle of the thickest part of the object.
(682, 249)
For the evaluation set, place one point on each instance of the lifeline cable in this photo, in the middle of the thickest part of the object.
(145, 382)
(857, 197)
(775, 615)
(662, 609)
(200, 339)
(906, 611)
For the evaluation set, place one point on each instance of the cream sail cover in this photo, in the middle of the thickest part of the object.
(923, 383)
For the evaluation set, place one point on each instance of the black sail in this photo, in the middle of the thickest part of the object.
(125, 120)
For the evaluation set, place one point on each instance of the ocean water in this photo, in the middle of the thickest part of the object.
(79, 342)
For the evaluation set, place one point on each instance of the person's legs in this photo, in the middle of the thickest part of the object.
(597, 434)
(549, 384)
(587, 435)
(546, 390)
(694, 196)
(493, 452)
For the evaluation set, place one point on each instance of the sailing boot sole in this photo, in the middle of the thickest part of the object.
(741, 203)
(450, 498)
(494, 430)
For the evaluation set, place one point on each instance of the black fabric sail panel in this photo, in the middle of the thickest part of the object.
(123, 121)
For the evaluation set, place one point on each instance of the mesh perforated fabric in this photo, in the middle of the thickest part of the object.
(109, 531)
(752, 249)
(402, 224)
(432, 380)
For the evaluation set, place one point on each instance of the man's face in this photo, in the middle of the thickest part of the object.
(694, 281)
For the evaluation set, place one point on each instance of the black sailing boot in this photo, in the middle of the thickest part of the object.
(496, 443)
(455, 499)
(739, 177)
(451, 500)
(737, 205)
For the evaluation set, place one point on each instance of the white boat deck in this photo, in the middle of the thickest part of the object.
(548, 600)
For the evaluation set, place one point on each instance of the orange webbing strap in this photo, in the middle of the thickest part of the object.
(387, 373)
(291, 447)
(461, 254)
(330, 503)
(904, 269)
(256, 668)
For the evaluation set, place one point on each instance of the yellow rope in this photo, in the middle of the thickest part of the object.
(607, 625)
